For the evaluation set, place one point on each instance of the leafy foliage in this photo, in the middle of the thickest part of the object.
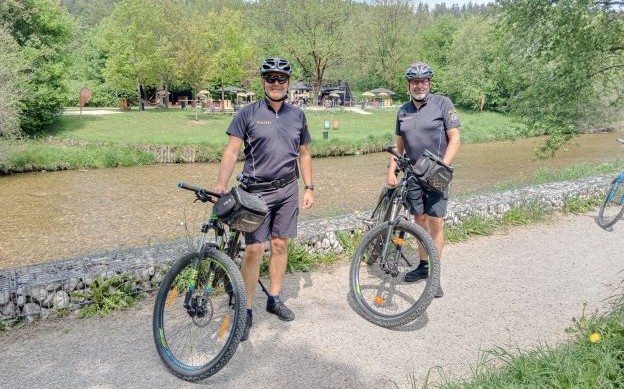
(568, 63)
(10, 73)
(42, 29)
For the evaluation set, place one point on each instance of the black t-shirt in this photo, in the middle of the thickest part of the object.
(272, 139)
(426, 127)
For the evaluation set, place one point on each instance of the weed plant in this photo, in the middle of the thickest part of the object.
(577, 205)
(105, 296)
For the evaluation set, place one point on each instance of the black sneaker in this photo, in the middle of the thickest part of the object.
(420, 273)
(281, 310)
(246, 331)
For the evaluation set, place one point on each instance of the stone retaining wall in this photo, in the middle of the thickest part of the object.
(38, 290)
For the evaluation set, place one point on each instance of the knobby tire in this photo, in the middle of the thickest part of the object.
(612, 207)
(194, 348)
(381, 294)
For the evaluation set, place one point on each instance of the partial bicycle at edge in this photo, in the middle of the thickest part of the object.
(612, 207)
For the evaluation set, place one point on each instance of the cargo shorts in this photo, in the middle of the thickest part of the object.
(281, 221)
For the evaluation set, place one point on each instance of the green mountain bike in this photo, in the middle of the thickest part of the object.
(199, 312)
(392, 247)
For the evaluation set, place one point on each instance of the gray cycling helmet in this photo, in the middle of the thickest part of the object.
(275, 65)
(418, 70)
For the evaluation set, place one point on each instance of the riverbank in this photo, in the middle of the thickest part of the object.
(40, 290)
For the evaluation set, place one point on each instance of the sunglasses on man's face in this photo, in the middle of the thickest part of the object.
(271, 79)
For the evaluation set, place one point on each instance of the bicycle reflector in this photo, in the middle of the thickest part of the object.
(398, 241)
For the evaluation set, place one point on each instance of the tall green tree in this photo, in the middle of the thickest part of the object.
(309, 32)
(139, 53)
(470, 81)
(568, 60)
(433, 44)
(11, 67)
(215, 51)
(384, 32)
(42, 29)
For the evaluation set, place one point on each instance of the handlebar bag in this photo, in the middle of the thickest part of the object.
(432, 173)
(241, 210)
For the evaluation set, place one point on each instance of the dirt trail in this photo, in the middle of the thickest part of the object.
(515, 289)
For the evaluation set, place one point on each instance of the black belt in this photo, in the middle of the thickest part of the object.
(270, 185)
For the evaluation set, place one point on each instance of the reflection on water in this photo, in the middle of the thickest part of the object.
(55, 215)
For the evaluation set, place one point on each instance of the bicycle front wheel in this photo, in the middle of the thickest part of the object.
(197, 334)
(612, 207)
(379, 288)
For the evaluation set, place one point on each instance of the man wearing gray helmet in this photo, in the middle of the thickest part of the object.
(275, 135)
(428, 122)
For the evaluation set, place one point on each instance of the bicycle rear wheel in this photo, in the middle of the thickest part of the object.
(196, 341)
(379, 288)
(612, 207)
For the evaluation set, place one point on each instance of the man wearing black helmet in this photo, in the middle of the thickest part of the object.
(275, 135)
(427, 122)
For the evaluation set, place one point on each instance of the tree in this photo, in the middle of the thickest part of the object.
(11, 67)
(384, 33)
(137, 50)
(470, 80)
(309, 32)
(42, 29)
(568, 63)
(215, 51)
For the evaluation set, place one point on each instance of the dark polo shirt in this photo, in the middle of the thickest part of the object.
(425, 128)
(272, 139)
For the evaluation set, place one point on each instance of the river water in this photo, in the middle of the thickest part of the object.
(53, 215)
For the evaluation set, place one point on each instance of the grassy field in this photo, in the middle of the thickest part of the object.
(133, 137)
(179, 127)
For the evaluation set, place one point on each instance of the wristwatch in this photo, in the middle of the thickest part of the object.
(311, 187)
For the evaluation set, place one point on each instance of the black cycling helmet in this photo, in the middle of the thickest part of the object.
(276, 65)
(418, 70)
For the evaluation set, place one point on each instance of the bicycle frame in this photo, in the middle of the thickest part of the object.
(226, 241)
(398, 200)
(617, 180)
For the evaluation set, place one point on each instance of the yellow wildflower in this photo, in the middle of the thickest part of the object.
(594, 337)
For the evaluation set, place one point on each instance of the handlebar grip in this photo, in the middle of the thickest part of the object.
(184, 185)
(392, 150)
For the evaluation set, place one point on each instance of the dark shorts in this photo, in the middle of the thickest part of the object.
(281, 222)
(426, 201)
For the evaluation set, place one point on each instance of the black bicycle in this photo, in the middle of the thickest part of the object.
(199, 313)
(612, 207)
(392, 247)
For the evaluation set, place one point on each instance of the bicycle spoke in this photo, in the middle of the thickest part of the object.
(196, 340)
(379, 285)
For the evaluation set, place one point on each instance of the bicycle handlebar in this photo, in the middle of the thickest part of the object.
(202, 194)
(405, 164)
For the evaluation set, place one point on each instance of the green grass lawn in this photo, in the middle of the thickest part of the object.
(178, 127)
(128, 138)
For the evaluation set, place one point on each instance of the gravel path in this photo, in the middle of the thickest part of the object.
(516, 289)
